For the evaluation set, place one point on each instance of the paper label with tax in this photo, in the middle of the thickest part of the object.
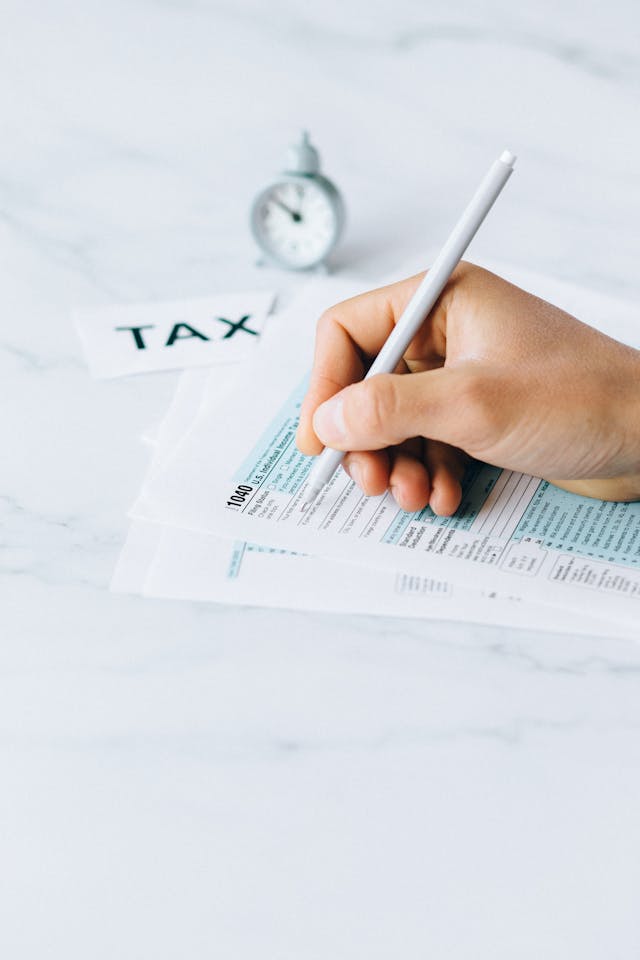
(238, 474)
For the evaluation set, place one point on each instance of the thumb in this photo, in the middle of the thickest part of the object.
(388, 409)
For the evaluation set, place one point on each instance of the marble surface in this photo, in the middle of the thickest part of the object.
(194, 781)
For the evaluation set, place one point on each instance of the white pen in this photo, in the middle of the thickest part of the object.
(422, 302)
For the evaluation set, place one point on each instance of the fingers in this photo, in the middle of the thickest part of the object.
(370, 470)
(348, 336)
(326, 381)
(409, 482)
(373, 470)
(352, 333)
(388, 408)
(446, 467)
(433, 480)
(415, 477)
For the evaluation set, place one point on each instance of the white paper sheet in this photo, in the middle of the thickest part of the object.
(162, 561)
(165, 562)
(138, 338)
(194, 488)
(135, 558)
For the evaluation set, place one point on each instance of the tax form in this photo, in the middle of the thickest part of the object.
(161, 560)
(168, 562)
(513, 534)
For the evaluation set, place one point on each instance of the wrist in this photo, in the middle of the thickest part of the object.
(631, 424)
(617, 475)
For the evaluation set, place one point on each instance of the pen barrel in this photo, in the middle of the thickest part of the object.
(425, 297)
(324, 467)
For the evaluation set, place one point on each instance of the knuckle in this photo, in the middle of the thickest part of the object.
(326, 321)
(481, 400)
(376, 406)
(464, 282)
(465, 270)
(330, 318)
(471, 274)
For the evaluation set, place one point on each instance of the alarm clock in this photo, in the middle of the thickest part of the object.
(297, 219)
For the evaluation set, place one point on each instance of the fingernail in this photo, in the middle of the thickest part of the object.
(355, 472)
(328, 421)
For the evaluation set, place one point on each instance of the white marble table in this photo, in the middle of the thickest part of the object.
(195, 781)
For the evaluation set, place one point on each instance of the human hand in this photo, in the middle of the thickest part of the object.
(496, 373)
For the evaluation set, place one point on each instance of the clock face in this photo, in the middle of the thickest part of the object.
(297, 221)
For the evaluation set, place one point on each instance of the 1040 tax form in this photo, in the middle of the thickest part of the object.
(238, 474)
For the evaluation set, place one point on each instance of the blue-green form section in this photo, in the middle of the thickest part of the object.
(561, 520)
(478, 482)
(591, 528)
(275, 460)
(240, 547)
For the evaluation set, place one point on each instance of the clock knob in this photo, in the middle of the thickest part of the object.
(303, 158)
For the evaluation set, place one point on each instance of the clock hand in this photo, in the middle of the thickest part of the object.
(294, 214)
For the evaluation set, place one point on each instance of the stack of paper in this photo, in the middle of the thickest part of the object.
(219, 517)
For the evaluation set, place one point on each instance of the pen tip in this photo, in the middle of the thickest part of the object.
(311, 494)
